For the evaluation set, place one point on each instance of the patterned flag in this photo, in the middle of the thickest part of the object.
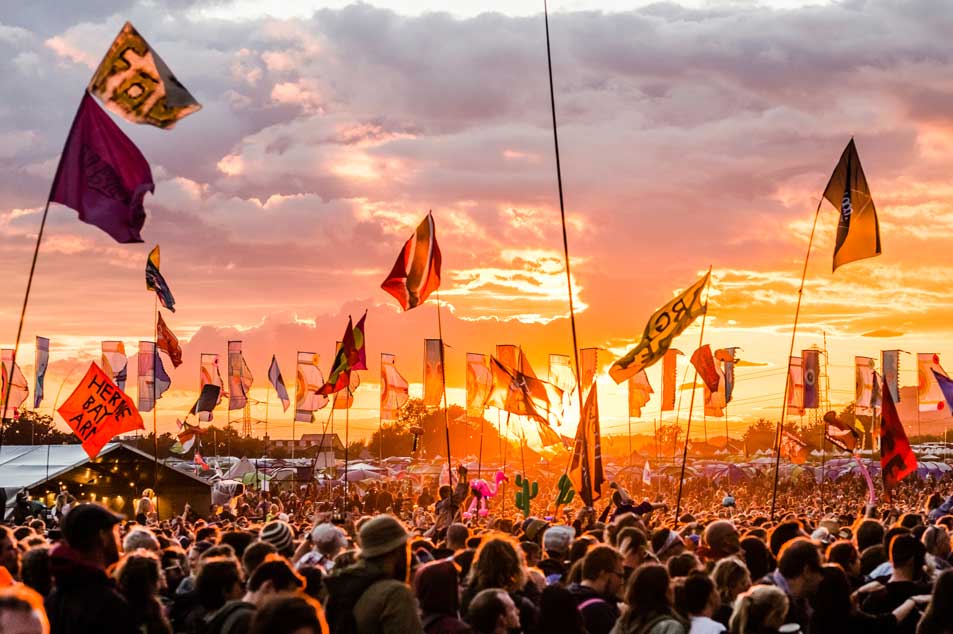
(308, 381)
(508, 354)
(350, 355)
(168, 342)
(585, 465)
(704, 362)
(274, 376)
(890, 365)
(416, 273)
(208, 399)
(561, 374)
(240, 378)
(97, 411)
(516, 393)
(897, 460)
(18, 387)
(155, 281)
(793, 448)
(345, 398)
(946, 387)
(209, 374)
(186, 439)
(640, 391)
(646, 472)
(715, 401)
(394, 388)
(146, 376)
(863, 386)
(433, 373)
(163, 382)
(588, 368)
(102, 175)
(929, 396)
(795, 387)
(728, 357)
(134, 82)
(479, 383)
(839, 433)
(858, 231)
(114, 362)
(663, 326)
(42, 360)
(810, 368)
(669, 367)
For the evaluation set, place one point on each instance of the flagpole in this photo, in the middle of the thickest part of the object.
(630, 437)
(380, 420)
(347, 438)
(787, 378)
(443, 380)
(267, 395)
(155, 400)
(294, 418)
(691, 408)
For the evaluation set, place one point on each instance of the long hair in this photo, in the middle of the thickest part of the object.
(759, 608)
(832, 605)
(647, 596)
(498, 563)
(938, 618)
(729, 573)
(139, 577)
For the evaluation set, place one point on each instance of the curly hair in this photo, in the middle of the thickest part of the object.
(499, 563)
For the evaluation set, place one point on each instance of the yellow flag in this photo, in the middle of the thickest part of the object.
(858, 232)
(665, 324)
(134, 82)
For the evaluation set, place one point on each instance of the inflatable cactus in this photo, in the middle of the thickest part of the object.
(525, 493)
(566, 494)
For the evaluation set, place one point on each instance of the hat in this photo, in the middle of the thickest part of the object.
(81, 525)
(558, 538)
(328, 534)
(533, 527)
(822, 535)
(278, 534)
(381, 535)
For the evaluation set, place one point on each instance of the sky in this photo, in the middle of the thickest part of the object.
(692, 134)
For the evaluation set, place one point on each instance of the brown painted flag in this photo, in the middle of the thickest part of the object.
(897, 460)
(858, 232)
(168, 342)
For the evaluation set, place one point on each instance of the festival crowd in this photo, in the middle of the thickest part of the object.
(384, 560)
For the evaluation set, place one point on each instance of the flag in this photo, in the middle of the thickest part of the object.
(394, 387)
(508, 354)
(929, 396)
(186, 438)
(795, 387)
(163, 382)
(810, 368)
(152, 380)
(704, 363)
(97, 411)
(102, 175)
(134, 82)
(863, 386)
(479, 383)
(208, 398)
(946, 387)
(17, 385)
(344, 399)
(560, 373)
(200, 461)
(308, 380)
(663, 326)
(646, 472)
(876, 394)
(114, 362)
(433, 372)
(155, 282)
(858, 232)
(168, 342)
(896, 457)
(588, 368)
(715, 402)
(890, 366)
(42, 360)
(669, 367)
(640, 391)
(349, 356)
(209, 374)
(585, 465)
(274, 376)
(728, 357)
(416, 273)
(793, 448)
(240, 378)
(516, 393)
(839, 433)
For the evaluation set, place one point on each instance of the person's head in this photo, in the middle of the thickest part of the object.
(939, 613)
(557, 540)
(435, 585)
(273, 576)
(634, 546)
(721, 539)
(384, 542)
(493, 610)
(139, 576)
(783, 533)
(93, 531)
(800, 564)
(936, 539)
(682, 565)
(910, 520)
(278, 534)
(457, 536)
(531, 552)
(35, 570)
(219, 580)
(498, 563)
(140, 538)
(444, 492)
(9, 552)
(731, 578)
(238, 540)
(175, 565)
(289, 614)
(695, 595)
(844, 554)
(908, 556)
(21, 611)
(832, 603)
(871, 557)
(648, 591)
(255, 554)
(760, 608)
(558, 611)
(328, 539)
(667, 543)
(602, 570)
(868, 532)
(210, 533)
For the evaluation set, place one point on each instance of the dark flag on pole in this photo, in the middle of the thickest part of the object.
(416, 274)
(897, 460)
(208, 399)
(102, 175)
(858, 232)
(155, 281)
(585, 465)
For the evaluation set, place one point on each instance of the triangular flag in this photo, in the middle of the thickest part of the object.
(858, 232)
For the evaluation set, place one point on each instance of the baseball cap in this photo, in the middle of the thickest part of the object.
(81, 526)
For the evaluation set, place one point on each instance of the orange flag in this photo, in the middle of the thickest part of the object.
(98, 410)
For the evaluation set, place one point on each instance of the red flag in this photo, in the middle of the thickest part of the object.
(704, 362)
(97, 410)
(168, 342)
(896, 457)
(103, 175)
(350, 356)
(416, 274)
(669, 367)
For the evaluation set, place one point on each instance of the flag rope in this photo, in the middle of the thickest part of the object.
(691, 406)
(787, 378)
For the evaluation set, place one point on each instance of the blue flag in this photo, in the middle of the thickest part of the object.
(274, 375)
(162, 380)
(42, 360)
(946, 386)
(155, 281)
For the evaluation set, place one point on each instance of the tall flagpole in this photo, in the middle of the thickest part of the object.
(294, 418)
(691, 408)
(155, 400)
(347, 437)
(380, 419)
(267, 395)
(787, 378)
(443, 380)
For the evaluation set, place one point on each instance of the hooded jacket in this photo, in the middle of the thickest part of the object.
(376, 603)
(84, 599)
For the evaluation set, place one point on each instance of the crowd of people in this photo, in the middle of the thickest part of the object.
(388, 560)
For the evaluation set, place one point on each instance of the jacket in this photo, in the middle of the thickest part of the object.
(84, 599)
(599, 613)
(376, 603)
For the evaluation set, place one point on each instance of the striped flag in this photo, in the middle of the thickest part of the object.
(416, 273)
(155, 281)
(276, 380)
(394, 388)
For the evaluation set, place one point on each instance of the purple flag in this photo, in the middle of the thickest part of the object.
(103, 175)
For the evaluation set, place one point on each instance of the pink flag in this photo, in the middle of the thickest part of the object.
(103, 175)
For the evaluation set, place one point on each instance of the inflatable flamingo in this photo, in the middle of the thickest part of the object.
(482, 490)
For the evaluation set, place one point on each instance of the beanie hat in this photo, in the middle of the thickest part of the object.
(381, 535)
(558, 538)
(278, 534)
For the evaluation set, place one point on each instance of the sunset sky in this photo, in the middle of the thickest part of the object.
(692, 134)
